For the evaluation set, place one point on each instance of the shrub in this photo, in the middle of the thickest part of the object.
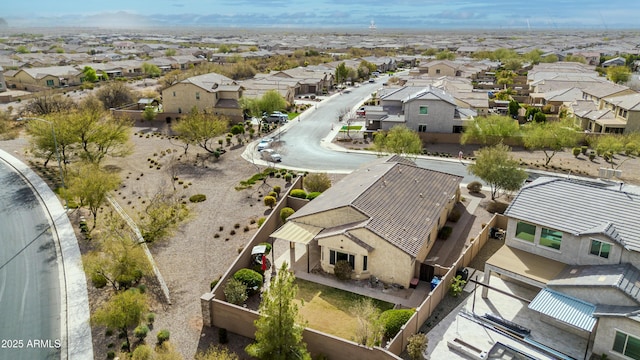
(277, 189)
(285, 213)
(592, 155)
(111, 355)
(273, 193)
(445, 232)
(235, 291)
(576, 151)
(583, 149)
(312, 195)
(222, 336)
(497, 207)
(142, 352)
(251, 279)
(298, 193)
(342, 270)
(163, 335)
(268, 246)
(288, 177)
(198, 198)
(141, 332)
(454, 215)
(456, 286)
(416, 346)
(316, 182)
(261, 221)
(269, 201)
(474, 187)
(214, 283)
(392, 320)
(151, 317)
(98, 280)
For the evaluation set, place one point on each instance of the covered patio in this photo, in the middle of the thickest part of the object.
(522, 266)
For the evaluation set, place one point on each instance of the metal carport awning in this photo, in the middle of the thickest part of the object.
(296, 232)
(565, 308)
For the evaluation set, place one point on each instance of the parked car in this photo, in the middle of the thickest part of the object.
(372, 80)
(361, 112)
(275, 117)
(264, 143)
(271, 155)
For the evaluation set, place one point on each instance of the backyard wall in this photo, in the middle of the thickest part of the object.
(217, 312)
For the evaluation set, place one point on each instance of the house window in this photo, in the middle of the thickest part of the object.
(422, 128)
(364, 263)
(424, 110)
(599, 248)
(335, 256)
(526, 232)
(627, 345)
(49, 82)
(179, 110)
(197, 95)
(551, 238)
(437, 71)
(458, 129)
(174, 94)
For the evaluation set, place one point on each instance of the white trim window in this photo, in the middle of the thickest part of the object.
(600, 248)
(626, 345)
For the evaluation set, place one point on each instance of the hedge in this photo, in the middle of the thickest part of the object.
(285, 213)
(298, 193)
(312, 195)
(251, 279)
(392, 321)
(474, 187)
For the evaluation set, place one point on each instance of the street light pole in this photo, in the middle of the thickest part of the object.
(55, 144)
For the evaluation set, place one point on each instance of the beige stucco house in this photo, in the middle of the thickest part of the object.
(3, 86)
(580, 244)
(45, 77)
(383, 219)
(213, 93)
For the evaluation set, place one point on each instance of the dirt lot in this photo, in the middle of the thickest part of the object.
(195, 256)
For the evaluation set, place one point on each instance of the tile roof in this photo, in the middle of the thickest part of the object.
(577, 207)
(401, 200)
(624, 277)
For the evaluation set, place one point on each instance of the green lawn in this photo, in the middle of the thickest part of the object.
(329, 310)
(351, 127)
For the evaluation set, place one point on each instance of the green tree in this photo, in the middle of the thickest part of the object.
(89, 74)
(618, 74)
(341, 73)
(495, 167)
(316, 182)
(272, 101)
(122, 311)
(445, 55)
(235, 291)
(285, 213)
(21, 49)
(224, 48)
(49, 103)
(42, 141)
(115, 95)
(550, 137)
(149, 113)
(490, 130)
(161, 216)
(513, 108)
(90, 184)
(118, 259)
(250, 107)
(513, 64)
(151, 70)
(398, 140)
(278, 331)
(170, 52)
(575, 58)
(201, 129)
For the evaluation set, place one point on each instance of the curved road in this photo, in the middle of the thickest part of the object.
(29, 274)
(306, 144)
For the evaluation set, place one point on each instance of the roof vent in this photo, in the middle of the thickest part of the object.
(421, 195)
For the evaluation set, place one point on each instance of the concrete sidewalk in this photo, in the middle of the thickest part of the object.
(76, 330)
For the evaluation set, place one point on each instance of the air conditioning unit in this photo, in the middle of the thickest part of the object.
(618, 173)
(602, 173)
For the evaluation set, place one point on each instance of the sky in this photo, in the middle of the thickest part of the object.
(331, 14)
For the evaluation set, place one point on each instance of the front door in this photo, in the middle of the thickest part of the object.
(426, 272)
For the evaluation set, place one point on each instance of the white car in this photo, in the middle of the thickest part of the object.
(271, 155)
(264, 143)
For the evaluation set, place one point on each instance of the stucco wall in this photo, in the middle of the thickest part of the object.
(574, 250)
(606, 332)
(633, 122)
(182, 97)
(439, 117)
(335, 217)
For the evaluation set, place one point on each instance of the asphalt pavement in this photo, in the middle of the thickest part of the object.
(43, 296)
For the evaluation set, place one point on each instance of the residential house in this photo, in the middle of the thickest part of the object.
(45, 77)
(438, 68)
(591, 57)
(383, 65)
(382, 218)
(213, 93)
(422, 109)
(460, 88)
(617, 61)
(579, 242)
(3, 84)
(626, 110)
